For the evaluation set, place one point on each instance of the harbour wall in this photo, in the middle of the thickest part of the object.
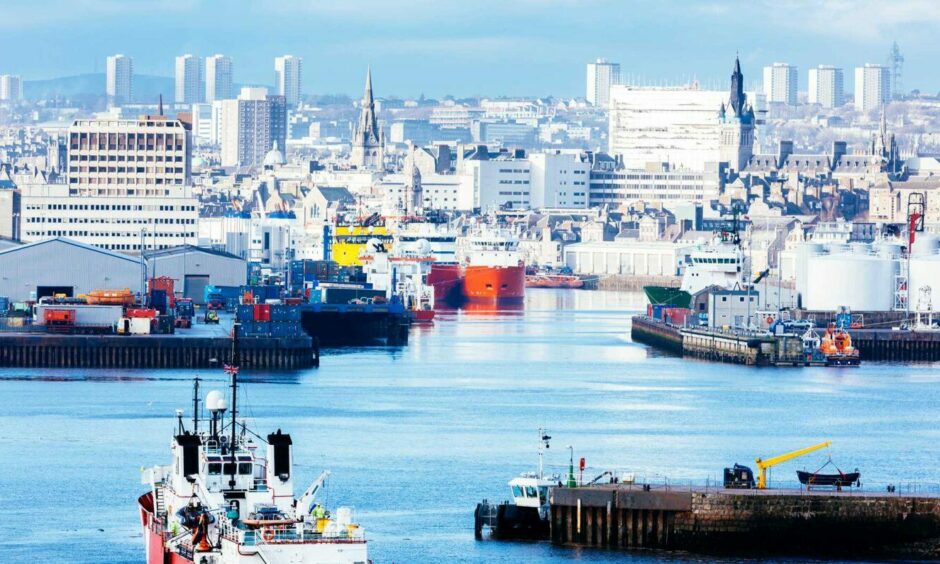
(747, 521)
(153, 351)
(873, 344)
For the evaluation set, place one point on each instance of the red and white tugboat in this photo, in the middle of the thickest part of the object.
(228, 497)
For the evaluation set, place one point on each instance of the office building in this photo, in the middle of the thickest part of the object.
(251, 125)
(872, 87)
(287, 78)
(825, 86)
(658, 125)
(11, 88)
(218, 78)
(601, 75)
(780, 83)
(120, 80)
(127, 180)
(188, 79)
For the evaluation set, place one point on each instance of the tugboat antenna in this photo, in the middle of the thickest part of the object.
(233, 370)
(196, 405)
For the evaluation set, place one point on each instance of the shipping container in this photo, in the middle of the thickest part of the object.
(59, 316)
(87, 315)
(159, 301)
(164, 284)
(262, 312)
(4, 305)
(141, 312)
(245, 313)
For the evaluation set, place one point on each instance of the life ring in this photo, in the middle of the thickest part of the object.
(267, 533)
(770, 319)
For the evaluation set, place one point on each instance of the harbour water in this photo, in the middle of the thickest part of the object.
(416, 436)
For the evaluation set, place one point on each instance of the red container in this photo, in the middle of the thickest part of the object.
(59, 316)
(138, 312)
(676, 315)
(262, 312)
(166, 284)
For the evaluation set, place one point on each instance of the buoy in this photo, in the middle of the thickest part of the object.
(267, 534)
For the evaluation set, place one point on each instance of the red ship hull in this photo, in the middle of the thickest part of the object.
(446, 280)
(153, 535)
(494, 283)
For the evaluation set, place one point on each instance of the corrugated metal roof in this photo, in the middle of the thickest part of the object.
(73, 243)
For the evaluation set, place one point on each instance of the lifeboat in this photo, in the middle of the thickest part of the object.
(836, 345)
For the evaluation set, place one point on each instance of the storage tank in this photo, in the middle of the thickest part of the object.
(925, 271)
(859, 280)
(925, 244)
(803, 253)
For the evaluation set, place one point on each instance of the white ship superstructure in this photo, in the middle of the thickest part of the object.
(228, 497)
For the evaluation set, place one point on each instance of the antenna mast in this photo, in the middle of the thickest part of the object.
(232, 369)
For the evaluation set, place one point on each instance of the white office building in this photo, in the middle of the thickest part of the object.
(872, 87)
(120, 80)
(11, 88)
(218, 78)
(127, 180)
(601, 75)
(188, 79)
(826, 86)
(656, 125)
(203, 122)
(558, 180)
(287, 78)
(780, 83)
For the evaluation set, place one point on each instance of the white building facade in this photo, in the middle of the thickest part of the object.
(601, 75)
(11, 88)
(826, 86)
(780, 83)
(656, 125)
(872, 87)
(120, 80)
(218, 78)
(188, 79)
(288, 71)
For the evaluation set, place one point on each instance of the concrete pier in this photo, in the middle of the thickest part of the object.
(753, 522)
(152, 351)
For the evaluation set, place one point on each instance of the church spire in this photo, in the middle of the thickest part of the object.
(367, 99)
(737, 89)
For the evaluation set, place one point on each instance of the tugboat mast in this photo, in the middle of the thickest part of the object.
(196, 405)
(232, 369)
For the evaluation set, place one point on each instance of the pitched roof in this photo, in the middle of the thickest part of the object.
(73, 243)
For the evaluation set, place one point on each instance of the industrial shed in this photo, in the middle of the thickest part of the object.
(64, 266)
(193, 268)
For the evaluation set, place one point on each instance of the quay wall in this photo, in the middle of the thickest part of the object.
(153, 351)
(750, 522)
(645, 330)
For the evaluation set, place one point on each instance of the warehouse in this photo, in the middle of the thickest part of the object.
(64, 266)
(194, 268)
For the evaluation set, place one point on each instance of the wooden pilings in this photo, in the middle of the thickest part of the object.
(153, 351)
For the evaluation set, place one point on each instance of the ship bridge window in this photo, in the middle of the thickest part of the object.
(543, 494)
(517, 491)
(244, 468)
(530, 491)
(228, 468)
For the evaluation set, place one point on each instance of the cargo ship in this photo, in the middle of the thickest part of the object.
(228, 497)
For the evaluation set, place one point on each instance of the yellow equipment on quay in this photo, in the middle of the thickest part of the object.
(763, 465)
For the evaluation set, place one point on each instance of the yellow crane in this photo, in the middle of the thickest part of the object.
(763, 465)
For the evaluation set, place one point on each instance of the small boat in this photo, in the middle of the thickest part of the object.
(840, 480)
(527, 515)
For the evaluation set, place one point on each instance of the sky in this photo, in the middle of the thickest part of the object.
(477, 47)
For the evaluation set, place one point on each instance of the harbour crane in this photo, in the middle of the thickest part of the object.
(763, 465)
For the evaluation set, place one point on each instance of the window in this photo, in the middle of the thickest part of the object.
(530, 491)
(215, 468)
(516, 491)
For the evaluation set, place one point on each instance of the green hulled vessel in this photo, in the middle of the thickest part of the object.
(667, 295)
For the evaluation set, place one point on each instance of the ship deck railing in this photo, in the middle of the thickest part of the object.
(299, 533)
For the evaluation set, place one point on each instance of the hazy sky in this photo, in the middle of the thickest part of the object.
(468, 47)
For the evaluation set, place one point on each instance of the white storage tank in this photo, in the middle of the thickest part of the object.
(925, 272)
(803, 253)
(857, 279)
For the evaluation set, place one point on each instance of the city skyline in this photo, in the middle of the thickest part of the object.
(475, 50)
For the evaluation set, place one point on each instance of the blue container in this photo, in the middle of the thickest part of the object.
(245, 313)
(4, 305)
(658, 311)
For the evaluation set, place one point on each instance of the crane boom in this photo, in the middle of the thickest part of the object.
(763, 465)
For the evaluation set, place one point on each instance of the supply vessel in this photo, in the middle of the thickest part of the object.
(227, 497)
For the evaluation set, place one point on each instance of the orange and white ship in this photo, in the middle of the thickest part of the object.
(492, 267)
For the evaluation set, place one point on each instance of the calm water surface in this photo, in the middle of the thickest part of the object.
(416, 436)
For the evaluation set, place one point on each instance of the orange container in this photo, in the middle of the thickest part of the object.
(59, 316)
(137, 312)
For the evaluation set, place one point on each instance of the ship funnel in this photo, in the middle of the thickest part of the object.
(279, 451)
